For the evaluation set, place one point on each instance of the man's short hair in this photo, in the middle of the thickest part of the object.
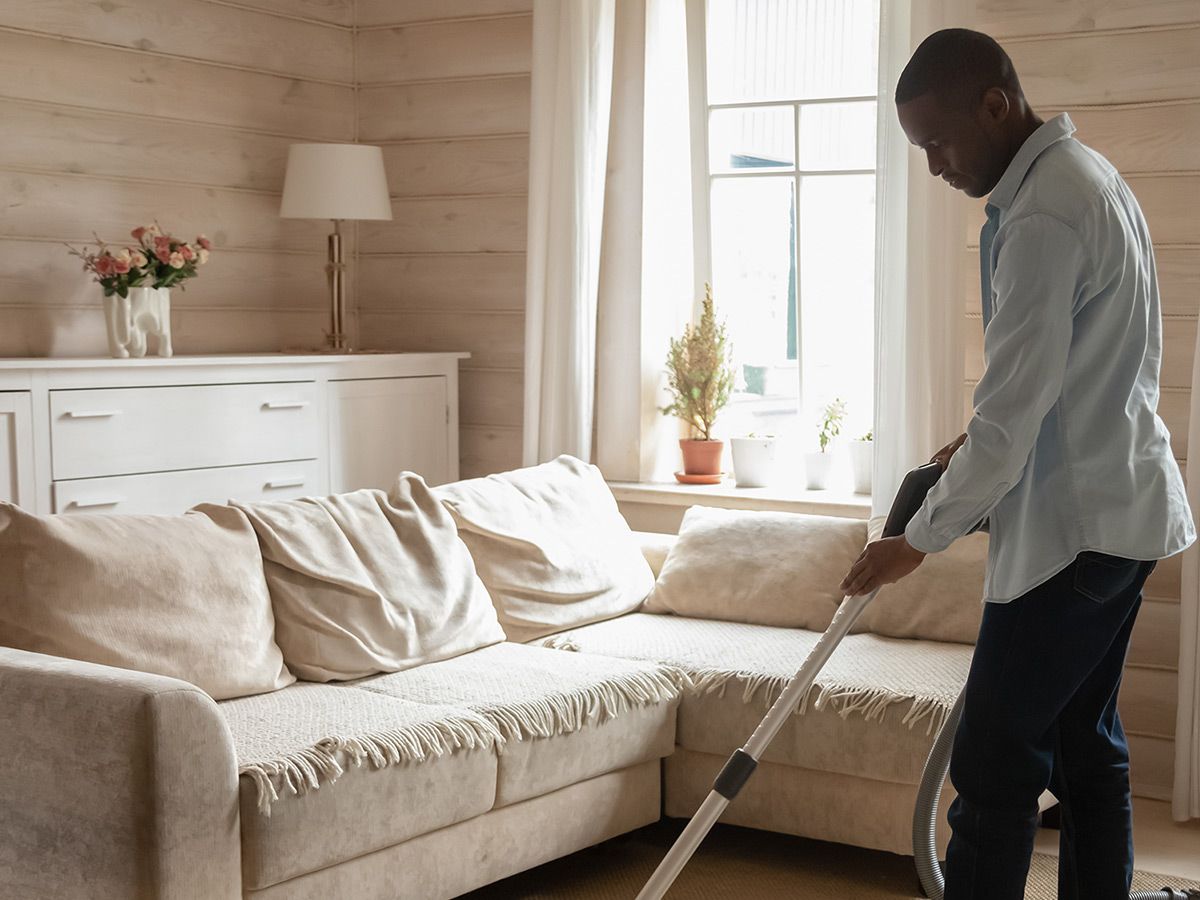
(957, 65)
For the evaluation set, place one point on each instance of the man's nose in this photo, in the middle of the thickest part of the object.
(936, 164)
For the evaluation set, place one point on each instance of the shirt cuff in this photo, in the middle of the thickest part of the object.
(921, 537)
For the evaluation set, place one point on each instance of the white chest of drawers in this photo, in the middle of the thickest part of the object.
(160, 435)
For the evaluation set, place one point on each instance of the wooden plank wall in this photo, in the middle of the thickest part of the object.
(1129, 74)
(444, 88)
(116, 113)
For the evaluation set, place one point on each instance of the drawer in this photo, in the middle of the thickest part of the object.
(170, 493)
(126, 431)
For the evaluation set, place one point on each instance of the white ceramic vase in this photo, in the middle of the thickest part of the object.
(131, 320)
(862, 456)
(753, 461)
(816, 470)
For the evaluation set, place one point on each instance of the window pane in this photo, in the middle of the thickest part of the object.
(791, 49)
(754, 290)
(760, 138)
(837, 136)
(837, 266)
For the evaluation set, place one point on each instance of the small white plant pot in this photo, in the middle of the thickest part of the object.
(816, 470)
(753, 461)
(862, 456)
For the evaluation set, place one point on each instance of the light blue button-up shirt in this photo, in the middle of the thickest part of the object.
(1065, 451)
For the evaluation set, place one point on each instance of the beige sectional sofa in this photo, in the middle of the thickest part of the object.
(435, 780)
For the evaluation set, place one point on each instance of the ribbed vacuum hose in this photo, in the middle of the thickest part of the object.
(925, 818)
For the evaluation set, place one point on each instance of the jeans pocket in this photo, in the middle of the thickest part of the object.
(1101, 576)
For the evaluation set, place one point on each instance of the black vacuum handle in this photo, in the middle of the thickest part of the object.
(910, 496)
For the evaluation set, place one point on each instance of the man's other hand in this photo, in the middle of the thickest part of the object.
(884, 561)
(942, 457)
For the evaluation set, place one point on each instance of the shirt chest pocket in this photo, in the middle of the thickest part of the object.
(1101, 576)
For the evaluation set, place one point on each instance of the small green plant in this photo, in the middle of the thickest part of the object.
(831, 422)
(867, 437)
(699, 374)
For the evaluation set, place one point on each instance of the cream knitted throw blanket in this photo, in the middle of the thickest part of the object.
(866, 674)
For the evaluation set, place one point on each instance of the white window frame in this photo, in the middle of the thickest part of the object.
(702, 180)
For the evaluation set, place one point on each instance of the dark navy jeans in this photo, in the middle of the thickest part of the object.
(1041, 712)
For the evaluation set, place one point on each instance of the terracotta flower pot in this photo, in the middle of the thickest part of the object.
(701, 457)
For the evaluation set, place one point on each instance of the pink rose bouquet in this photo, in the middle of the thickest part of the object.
(157, 260)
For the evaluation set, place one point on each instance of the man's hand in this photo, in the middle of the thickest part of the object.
(884, 561)
(942, 457)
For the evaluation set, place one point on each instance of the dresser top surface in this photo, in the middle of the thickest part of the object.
(224, 359)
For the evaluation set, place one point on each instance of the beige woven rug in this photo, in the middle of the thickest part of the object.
(746, 864)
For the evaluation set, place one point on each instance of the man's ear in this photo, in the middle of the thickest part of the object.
(996, 106)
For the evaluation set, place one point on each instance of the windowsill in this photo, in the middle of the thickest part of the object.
(727, 495)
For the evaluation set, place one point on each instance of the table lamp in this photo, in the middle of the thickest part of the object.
(338, 182)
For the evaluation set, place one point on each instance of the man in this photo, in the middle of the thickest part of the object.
(1066, 459)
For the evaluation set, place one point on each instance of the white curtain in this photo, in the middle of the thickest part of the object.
(568, 152)
(610, 230)
(1186, 797)
(920, 250)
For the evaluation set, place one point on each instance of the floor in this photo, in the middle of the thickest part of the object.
(1159, 843)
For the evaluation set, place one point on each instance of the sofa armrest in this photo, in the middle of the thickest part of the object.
(655, 548)
(116, 784)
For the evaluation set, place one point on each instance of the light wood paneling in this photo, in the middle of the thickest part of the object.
(336, 12)
(451, 224)
(443, 281)
(493, 340)
(1151, 766)
(1141, 138)
(195, 29)
(487, 450)
(491, 396)
(107, 78)
(1006, 18)
(68, 207)
(389, 12)
(1133, 67)
(1156, 635)
(433, 168)
(445, 50)
(1148, 699)
(65, 139)
(445, 109)
(42, 273)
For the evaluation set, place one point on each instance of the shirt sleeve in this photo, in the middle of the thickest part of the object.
(1039, 272)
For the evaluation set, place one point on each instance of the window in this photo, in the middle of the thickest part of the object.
(789, 103)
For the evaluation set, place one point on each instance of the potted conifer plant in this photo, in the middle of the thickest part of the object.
(816, 463)
(699, 379)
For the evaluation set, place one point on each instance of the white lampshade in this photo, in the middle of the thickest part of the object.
(335, 181)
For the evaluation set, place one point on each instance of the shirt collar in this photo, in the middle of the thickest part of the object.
(1048, 133)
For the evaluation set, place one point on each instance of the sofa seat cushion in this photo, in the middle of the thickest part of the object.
(563, 717)
(873, 711)
(386, 769)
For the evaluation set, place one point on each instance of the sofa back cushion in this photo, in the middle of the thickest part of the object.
(364, 582)
(941, 600)
(550, 545)
(761, 568)
(182, 596)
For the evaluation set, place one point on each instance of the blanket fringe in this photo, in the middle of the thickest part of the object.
(306, 770)
(570, 711)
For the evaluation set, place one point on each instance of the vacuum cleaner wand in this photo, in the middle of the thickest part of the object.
(742, 763)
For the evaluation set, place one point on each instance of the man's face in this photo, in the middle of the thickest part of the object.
(965, 148)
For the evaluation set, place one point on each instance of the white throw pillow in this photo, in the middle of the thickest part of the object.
(941, 600)
(182, 596)
(550, 545)
(761, 568)
(364, 583)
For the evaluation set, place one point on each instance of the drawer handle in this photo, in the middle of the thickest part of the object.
(284, 483)
(92, 413)
(285, 404)
(99, 501)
